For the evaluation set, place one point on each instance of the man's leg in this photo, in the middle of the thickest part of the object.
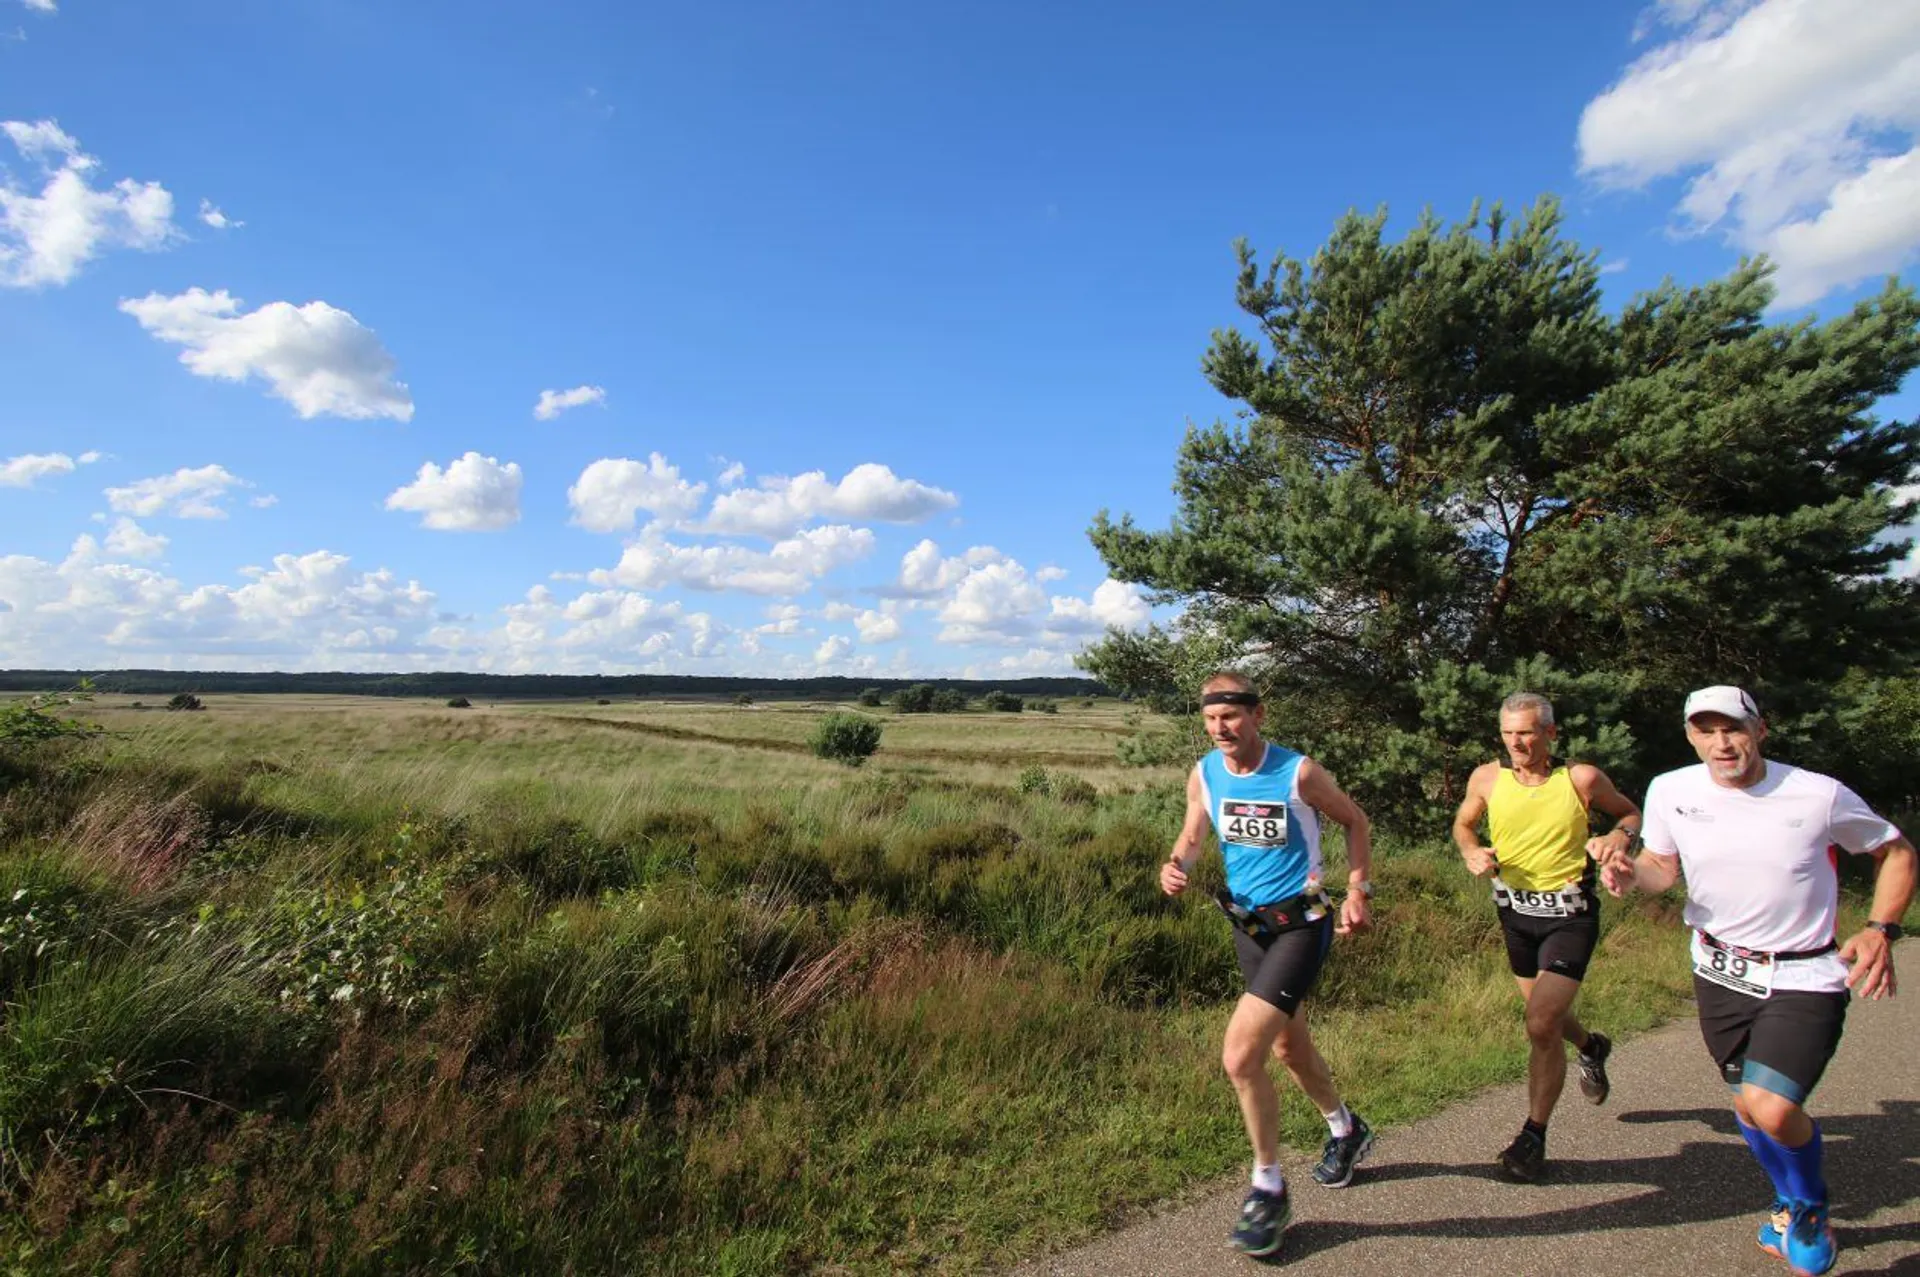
(1772, 1054)
(1571, 1028)
(1349, 1138)
(1252, 1033)
(1549, 1020)
(1256, 1025)
(1295, 1050)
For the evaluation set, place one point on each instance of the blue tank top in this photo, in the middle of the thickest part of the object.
(1268, 836)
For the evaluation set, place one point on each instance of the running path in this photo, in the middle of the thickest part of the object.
(1657, 1181)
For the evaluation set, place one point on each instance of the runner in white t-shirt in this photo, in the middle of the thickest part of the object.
(1755, 841)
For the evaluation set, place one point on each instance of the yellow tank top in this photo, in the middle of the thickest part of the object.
(1538, 831)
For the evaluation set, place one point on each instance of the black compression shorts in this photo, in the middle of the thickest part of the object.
(1283, 970)
(1562, 946)
(1780, 1044)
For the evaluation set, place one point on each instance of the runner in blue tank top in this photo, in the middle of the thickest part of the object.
(1264, 803)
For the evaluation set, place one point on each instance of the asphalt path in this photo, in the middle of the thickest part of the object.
(1656, 1181)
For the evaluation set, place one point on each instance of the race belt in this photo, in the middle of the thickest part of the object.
(1263, 922)
(1565, 903)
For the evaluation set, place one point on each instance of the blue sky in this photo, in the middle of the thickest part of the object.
(846, 317)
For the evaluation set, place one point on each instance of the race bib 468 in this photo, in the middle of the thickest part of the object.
(1252, 824)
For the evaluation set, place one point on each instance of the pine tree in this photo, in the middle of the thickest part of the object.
(1454, 475)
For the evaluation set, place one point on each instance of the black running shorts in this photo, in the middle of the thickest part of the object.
(1283, 970)
(1780, 1044)
(1562, 946)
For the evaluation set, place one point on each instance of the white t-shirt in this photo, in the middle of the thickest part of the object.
(1759, 864)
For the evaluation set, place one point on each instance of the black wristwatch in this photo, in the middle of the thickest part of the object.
(1891, 930)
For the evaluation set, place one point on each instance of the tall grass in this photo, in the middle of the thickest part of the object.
(397, 989)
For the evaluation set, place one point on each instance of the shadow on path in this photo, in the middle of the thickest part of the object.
(1871, 1166)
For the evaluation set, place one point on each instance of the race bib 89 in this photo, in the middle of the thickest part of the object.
(1252, 824)
(1731, 967)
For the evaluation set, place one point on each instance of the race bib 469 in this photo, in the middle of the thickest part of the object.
(1252, 824)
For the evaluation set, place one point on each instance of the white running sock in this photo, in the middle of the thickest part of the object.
(1268, 1179)
(1339, 1122)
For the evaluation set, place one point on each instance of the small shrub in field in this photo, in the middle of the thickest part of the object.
(1003, 702)
(1158, 748)
(744, 698)
(870, 698)
(26, 722)
(1034, 780)
(459, 702)
(603, 701)
(917, 699)
(1072, 790)
(845, 738)
(948, 700)
(1042, 705)
(185, 700)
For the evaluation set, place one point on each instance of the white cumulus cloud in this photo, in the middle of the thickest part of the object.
(554, 402)
(790, 567)
(47, 235)
(132, 541)
(867, 492)
(306, 611)
(41, 6)
(877, 626)
(210, 214)
(1795, 123)
(194, 493)
(473, 494)
(23, 470)
(316, 357)
(1114, 605)
(612, 490)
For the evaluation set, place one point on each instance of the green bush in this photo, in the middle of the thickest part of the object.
(1158, 748)
(1072, 790)
(917, 699)
(1042, 705)
(184, 700)
(871, 698)
(845, 738)
(459, 702)
(1003, 702)
(1034, 780)
(949, 700)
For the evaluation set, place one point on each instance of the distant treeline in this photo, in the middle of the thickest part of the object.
(516, 686)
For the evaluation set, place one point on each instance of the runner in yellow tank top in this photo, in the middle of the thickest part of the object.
(1540, 829)
(1543, 885)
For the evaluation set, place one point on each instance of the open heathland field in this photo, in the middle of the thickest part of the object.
(313, 984)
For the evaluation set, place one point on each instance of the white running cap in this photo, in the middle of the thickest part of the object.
(1730, 701)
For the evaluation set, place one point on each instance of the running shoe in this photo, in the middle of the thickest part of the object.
(1264, 1218)
(1593, 1068)
(1524, 1159)
(1773, 1229)
(1342, 1153)
(1810, 1247)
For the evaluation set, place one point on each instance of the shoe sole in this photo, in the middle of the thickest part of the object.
(1798, 1271)
(1595, 1094)
(1366, 1146)
(1771, 1250)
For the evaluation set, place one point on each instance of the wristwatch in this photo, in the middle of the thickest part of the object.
(1891, 930)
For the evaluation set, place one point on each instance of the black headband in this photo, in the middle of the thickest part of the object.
(1248, 699)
